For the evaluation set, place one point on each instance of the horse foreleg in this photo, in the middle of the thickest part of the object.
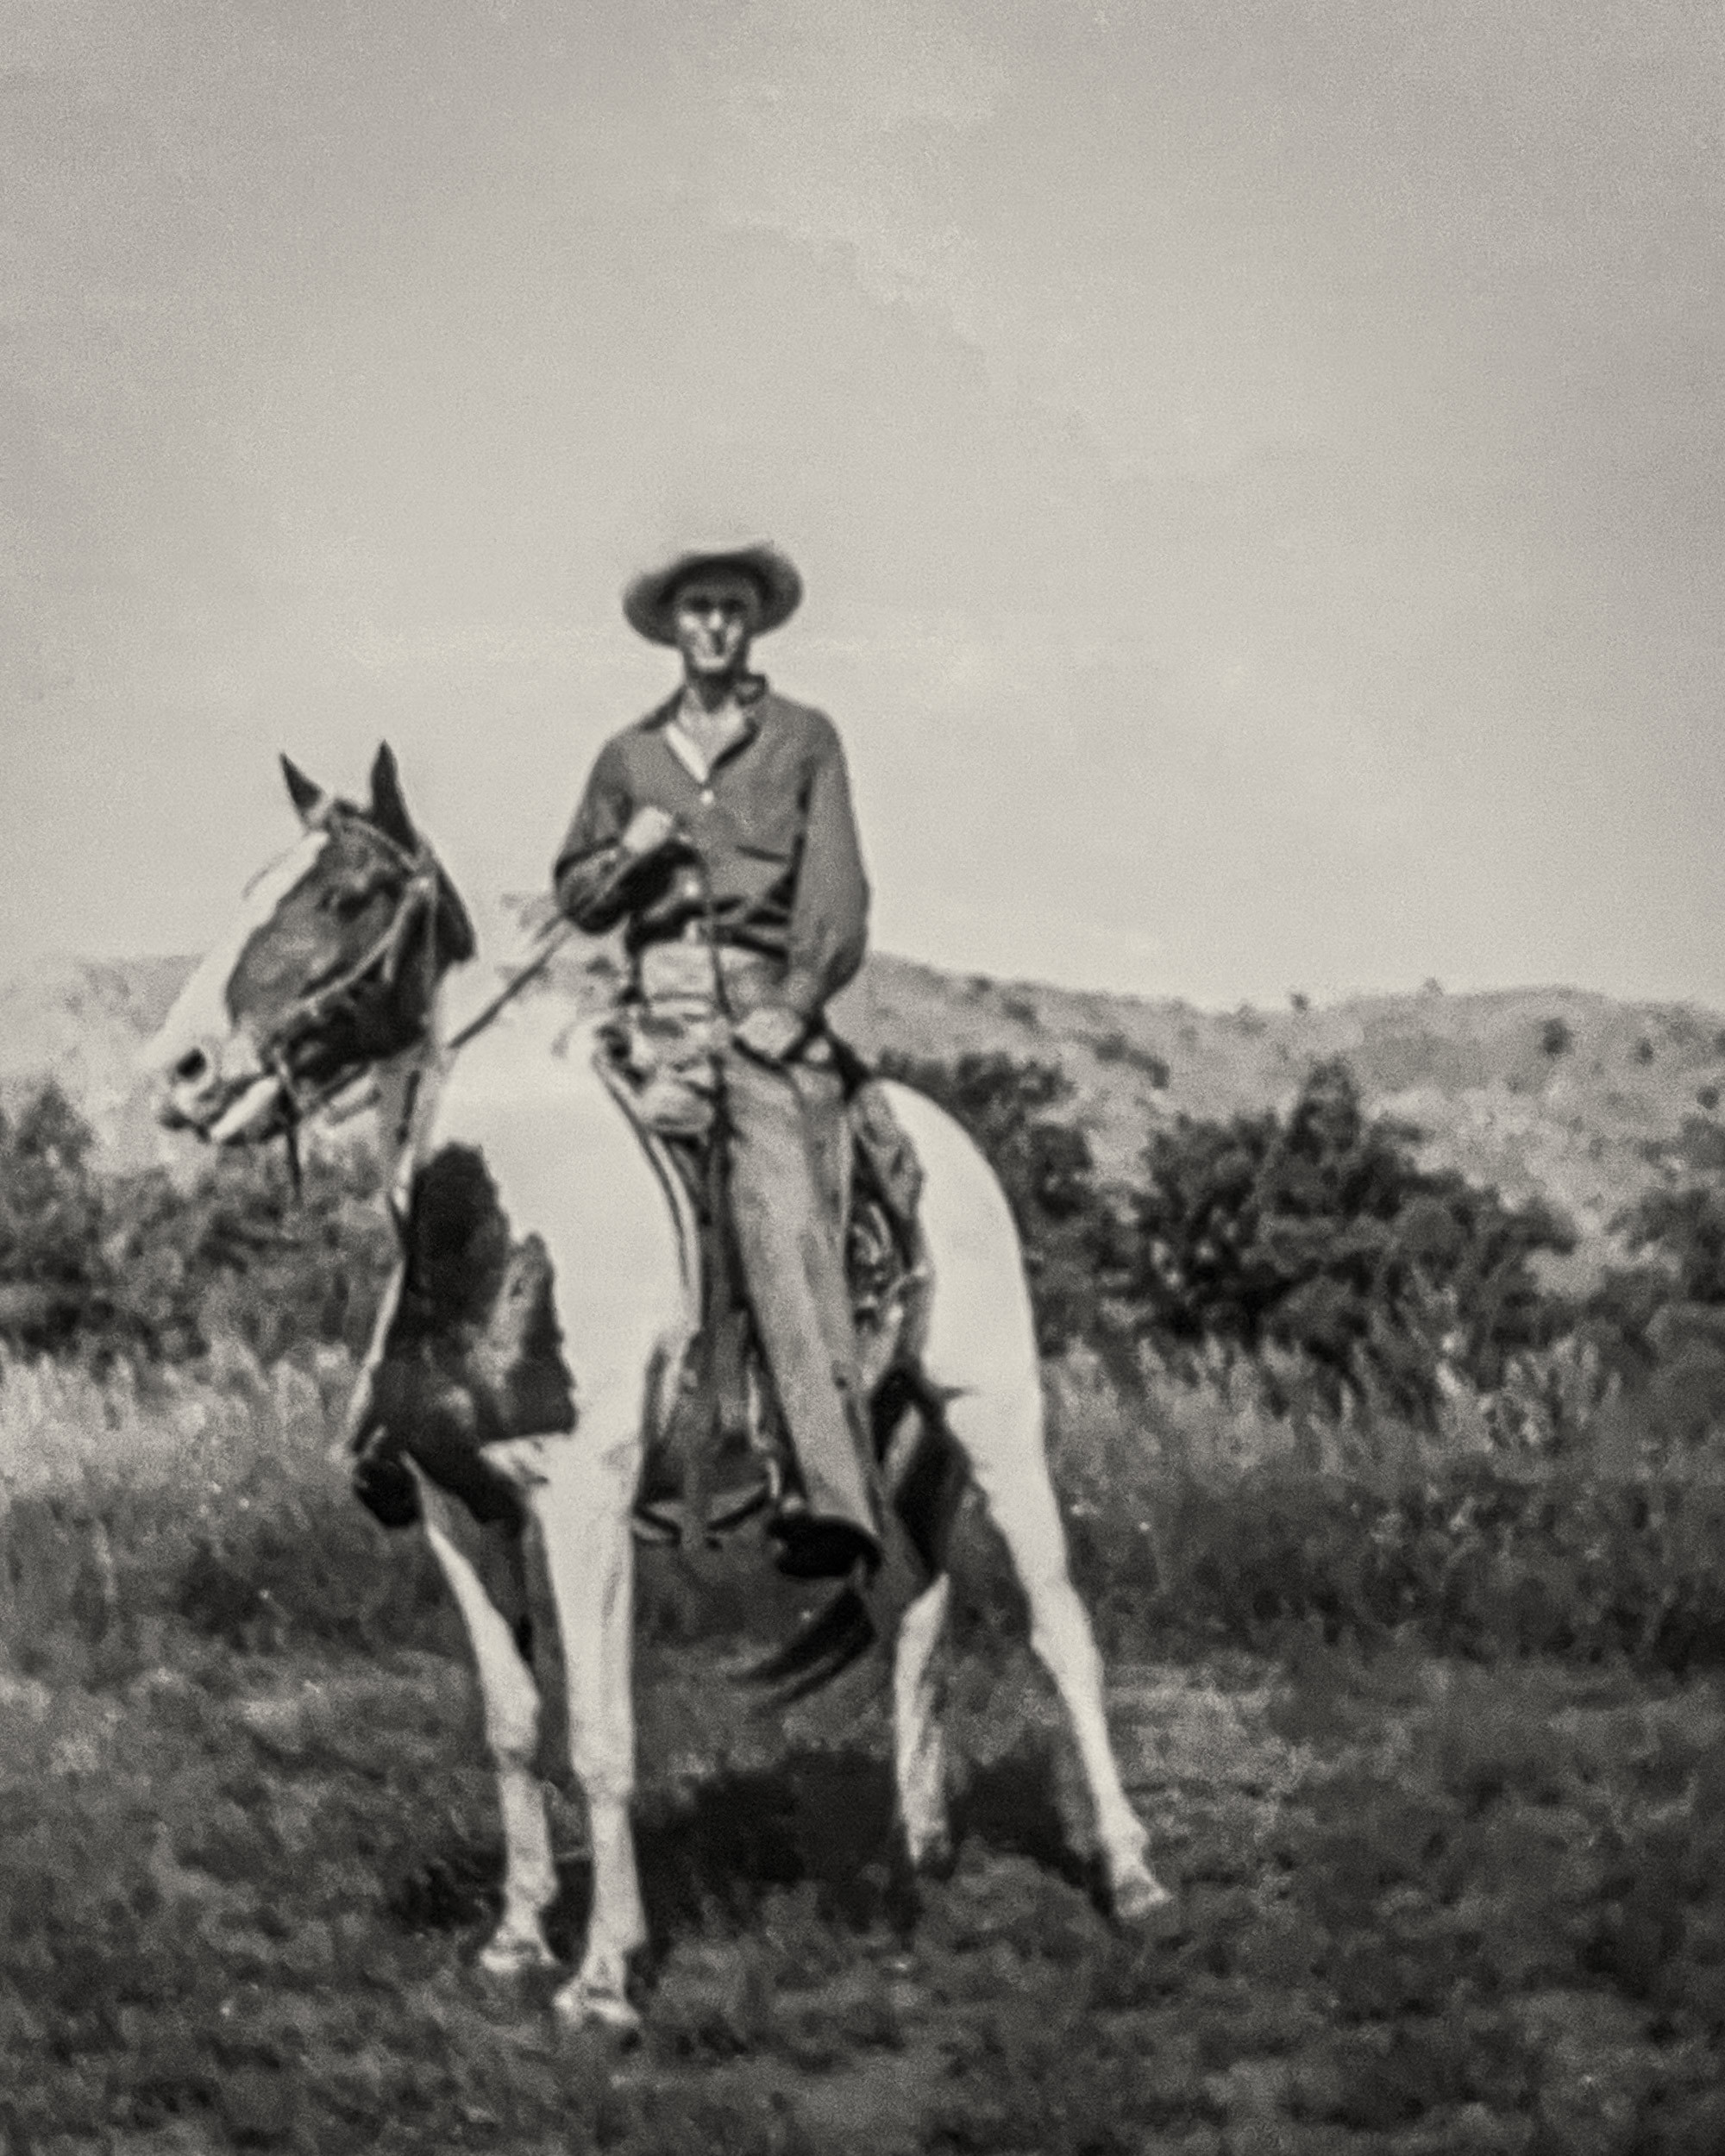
(582, 1507)
(1003, 1440)
(919, 1738)
(511, 1702)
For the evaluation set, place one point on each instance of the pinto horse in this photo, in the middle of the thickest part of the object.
(327, 983)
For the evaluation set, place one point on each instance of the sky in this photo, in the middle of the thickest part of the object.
(1258, 466)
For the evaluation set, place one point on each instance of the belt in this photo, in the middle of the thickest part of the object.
(685, 965)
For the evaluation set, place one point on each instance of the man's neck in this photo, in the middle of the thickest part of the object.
(711, 696)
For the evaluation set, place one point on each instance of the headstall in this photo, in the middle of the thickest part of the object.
(382, 962)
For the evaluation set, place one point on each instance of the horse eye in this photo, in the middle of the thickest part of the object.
(346, 900)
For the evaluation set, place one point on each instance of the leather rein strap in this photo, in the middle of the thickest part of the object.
(307, 1016)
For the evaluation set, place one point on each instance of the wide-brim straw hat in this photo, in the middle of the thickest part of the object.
(649, 601)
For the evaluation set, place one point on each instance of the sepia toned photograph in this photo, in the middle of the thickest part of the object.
(862, 1078)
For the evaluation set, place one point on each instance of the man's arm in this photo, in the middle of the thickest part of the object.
(613, 851)
(829, 931)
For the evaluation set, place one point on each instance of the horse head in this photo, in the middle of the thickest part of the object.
(330, 967)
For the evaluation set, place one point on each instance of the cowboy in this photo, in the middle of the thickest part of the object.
(719, 829)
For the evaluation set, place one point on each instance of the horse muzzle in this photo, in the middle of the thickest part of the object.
(227, 1100)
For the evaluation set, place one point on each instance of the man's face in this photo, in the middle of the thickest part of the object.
(714, 615)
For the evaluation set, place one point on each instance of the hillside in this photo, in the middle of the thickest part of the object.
(82, 1021)
(1587, 1122)
(1550, 1090)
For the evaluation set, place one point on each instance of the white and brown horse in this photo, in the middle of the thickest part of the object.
(327, 980)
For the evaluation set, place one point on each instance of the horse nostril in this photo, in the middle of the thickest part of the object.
(192, 1065)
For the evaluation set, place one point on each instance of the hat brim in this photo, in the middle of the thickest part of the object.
(648, 603)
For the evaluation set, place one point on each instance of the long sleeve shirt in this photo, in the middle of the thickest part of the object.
(771, 846)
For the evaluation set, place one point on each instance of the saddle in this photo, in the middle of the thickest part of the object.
(718, 1451)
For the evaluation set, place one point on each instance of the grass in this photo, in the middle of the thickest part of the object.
(1425, 1903)
(1198, 1511)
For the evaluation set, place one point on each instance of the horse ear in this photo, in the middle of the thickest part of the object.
(389, 806)
(309, 798)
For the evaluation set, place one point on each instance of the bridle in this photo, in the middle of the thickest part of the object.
(425, 893)
(381, 967)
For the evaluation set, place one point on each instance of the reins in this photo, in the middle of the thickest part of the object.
(553, 936)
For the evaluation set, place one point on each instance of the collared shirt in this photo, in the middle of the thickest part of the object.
(772, 835)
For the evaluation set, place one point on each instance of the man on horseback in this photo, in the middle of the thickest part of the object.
(719, 831)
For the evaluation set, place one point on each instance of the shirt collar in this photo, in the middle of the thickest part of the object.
(752, 693)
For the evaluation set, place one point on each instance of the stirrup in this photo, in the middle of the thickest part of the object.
(817, 1549)
(666, 1523)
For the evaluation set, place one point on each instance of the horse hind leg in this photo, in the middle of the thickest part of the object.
(927, 1478)
(1002, 1436)
(919, 1735)
(511, 1704)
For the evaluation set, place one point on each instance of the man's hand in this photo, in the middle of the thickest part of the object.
(770, 1032)
(647, 830)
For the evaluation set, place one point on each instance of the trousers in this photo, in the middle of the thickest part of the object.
(786, 1136)
(786, 1132)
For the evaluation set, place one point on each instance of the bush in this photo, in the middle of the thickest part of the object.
(54, 1279)
(1320, 1233)
(1659, 1326)
(1116, 1047)
(104, 1266)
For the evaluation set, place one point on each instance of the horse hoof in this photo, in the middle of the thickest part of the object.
(1139, 1896)
(506, 1958)
(579, 2006)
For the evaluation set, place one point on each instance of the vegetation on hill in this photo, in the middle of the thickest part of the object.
(1659, 1325)
(1315, 1243)
(1584, 1125)
(1319, 1232)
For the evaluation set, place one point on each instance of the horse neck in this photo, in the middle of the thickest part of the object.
(401, 1091)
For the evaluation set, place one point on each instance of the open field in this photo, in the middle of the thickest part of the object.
(250, 1847)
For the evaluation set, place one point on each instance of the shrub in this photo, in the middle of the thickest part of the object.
(54, 1279)
(109, 1265)
(1555, 1038)
(1685, 1229)
(1321, 1233)
(1697, 1148)
(1660, 1326)
(1116, 1048)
